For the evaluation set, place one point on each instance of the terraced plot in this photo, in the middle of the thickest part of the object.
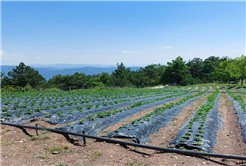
(151, 111)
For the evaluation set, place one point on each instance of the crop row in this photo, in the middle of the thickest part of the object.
(85, 94)
(49, 111)
(10, 104)
(238, 98)
(108, 113)
(151, 122)
(192, 133)
(101, 113)
(94, 124)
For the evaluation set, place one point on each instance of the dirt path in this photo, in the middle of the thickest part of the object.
(167, 134)
(229, 139)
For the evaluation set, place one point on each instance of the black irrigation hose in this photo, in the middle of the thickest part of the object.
(184, 152)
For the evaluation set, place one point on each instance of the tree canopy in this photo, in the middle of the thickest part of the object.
(177, 72)
(23, 75)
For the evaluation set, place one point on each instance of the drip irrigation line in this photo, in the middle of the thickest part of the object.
(184, 152)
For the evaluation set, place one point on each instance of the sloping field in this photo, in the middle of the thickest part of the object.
(204, 118)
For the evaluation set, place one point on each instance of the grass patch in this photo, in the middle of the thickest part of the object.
(69, 152)
(134, 163)
(44, 138)
(97, 154)
(40, 138)
(37, 142)
(222, 95)
(228, 104)
(5, 143)
(106, 131)
(46, 131)
(41, 157)
(3, 133)
(59, 149)
(60, 164)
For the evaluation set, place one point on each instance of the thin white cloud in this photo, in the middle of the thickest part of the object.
(167, 47)
(125, 52)
(3, 54)
(129, 52)
(37, 57)
(14, 56)
(233, 51)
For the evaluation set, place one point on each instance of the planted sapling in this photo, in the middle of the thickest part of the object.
(88, 106)
(59, 113)
(91, 117)
(47, 115)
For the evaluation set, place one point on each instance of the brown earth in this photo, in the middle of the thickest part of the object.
(162, 139)
(229, 139)
(53, 149)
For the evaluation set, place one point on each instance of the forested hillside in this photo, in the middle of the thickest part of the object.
(177, 72)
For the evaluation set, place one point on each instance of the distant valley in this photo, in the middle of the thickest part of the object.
(48, 71)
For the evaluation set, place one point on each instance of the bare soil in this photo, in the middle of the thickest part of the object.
(19, 149)
(162, 139)
(229, 139)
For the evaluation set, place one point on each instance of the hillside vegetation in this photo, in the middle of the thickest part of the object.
(177, 72)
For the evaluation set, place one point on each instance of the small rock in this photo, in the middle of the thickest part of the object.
(171, 146)
(204, 163)
(55, 152)
(228, 135)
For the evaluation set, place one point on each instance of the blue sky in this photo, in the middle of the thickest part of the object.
(135, 33)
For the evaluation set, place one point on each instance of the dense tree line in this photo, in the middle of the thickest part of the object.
(177, 72)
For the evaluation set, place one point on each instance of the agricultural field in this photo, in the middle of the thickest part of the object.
(205, 118)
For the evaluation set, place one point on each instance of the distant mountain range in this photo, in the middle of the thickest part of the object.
(48, 71)
(69, 66)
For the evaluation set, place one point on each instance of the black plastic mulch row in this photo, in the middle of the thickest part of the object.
(94, 127)
(201, 139)
(140, 132)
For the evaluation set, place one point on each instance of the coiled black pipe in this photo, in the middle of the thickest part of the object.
(185, 152)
